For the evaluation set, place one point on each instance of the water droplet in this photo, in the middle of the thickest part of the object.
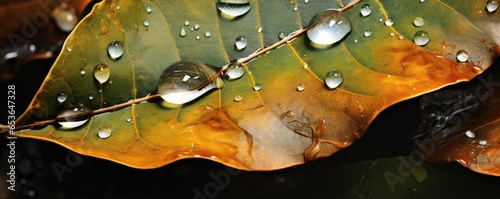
(281, 35)
(183, 32)
(418, 21)
(186, 23)
(235, 71)
(483, 142)
(306, 1)
(208, 34)
(115, 50)
(421, 38)
(196, 26)
(149, 9)
(366, 10)
(238, 98)
(118, 7)
(61, 97)
(74, 115)
(328, 27)
(192, 29)
(389, 22)
(260, 29)
(355, 41)
(129, 120)
(470, 134)
(145, 23)
(462, 56)
(491, 6)
(421, 1)
(367, 33)
(104, 132)
(174, 90)
(240, 43)
(68, 48)
(391, 34)
(102, 73)
(333, 79)
(301, 87)
(400, 37)
(82, 72)
(231, 9)
(65, 18)
(91, 97)
(296, 7)
(257, 87)
(381, 20)
(197, 37)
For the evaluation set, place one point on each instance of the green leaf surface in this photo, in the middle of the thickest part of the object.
(277, 126)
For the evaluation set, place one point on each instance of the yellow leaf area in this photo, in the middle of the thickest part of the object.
(275, 127)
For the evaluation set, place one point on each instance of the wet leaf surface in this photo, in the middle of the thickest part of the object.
(276, 126)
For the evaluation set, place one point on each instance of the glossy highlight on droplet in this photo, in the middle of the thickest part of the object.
(418, 21)
(328, 27)
(61, 97)
(240, 43)
(102, 73)
(462, 56)
(491, 6)
(421, 38)
(230, 9)
(115, 50)
(74, 115)
(366, 10)
(235, 71)
(333, 79)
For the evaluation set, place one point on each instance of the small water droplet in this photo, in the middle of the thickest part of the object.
(421, 38)
(91, 97)
(306, 1)
(233, 9)
(235, 71)
(102, 73)
(400, 37)
(328, 27)
(186, 23)
(183, 32)
(118, 7)
(240, 43)
(483, 142)
(355, 41)
(367, 33)
(82, 72)
(145, 23)
(104, 132)
(238, 98)
(391, 34)
(149, 9)
(65, 18)
(470, 134)
(381, 20)
(196, 26)
(74, 115)
(281, 35)
(296, 7)
(462, 56)
(257, 87)
(174, 90)
(129, 120)
(260, 29)
(389, 22)
(418, 21)
(301, 87)
(491, 6)
(68, 48)
(366, 10)
(61, 97)
(421, 1)
(192, 29)
(333, 79)
(115, 50)
(208, 34)
(197, 37)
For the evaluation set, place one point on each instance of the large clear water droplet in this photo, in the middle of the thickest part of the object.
(65, 18)
(367, 33)
(104, 132)
(115, 50)
(74, 115)
(61, 97)
(257, 87)
(418, 21)
(328, 27)
(180, 82)
(231, 9)
(462, 56)
(491, 6)
(389, 22)
(366, 10)
(235, 71)
(333, 79)
(240, 43)
(421, 38)
(183, 32)
(101, 73)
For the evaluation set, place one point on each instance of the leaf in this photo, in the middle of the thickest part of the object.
(275, 127)
(30, 32)
(466, 127)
